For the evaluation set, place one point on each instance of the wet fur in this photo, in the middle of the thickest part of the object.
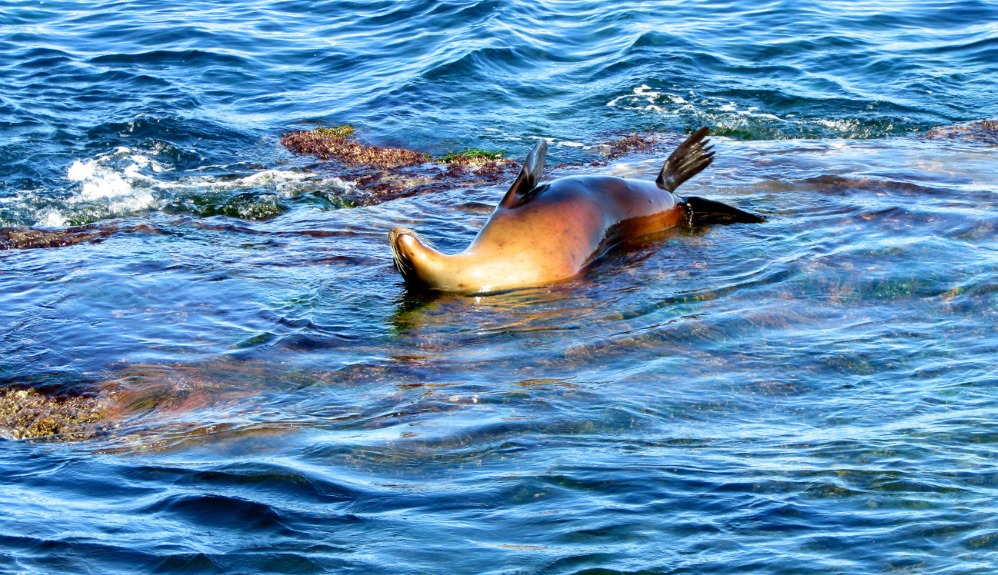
(543, 233)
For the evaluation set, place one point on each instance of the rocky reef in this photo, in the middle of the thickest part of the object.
(980, 132)
(384, 173)
(27, 413)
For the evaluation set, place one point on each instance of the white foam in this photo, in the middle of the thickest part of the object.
(643, 97)
(104, 185)
(116, 179)
(283, 182)
(115, 183)
(842, 125)
(126, 182)
(647, 93)
(725, 112)
(52, 219)
(80, 171)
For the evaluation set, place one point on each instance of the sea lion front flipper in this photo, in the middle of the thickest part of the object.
(530, 174)
(689, 159)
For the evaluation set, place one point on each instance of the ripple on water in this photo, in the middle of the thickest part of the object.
(813, 394)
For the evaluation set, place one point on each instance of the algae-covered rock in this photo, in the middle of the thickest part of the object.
(27, 413)
(981, 132)
(335, 144)
(624, 145)
(30, 238)
(380, 174)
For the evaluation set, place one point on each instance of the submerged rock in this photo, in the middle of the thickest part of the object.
(980, 132)
(140, 404)
(27, 413)
(27, 238)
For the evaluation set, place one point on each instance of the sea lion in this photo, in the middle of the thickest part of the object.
(540, 234)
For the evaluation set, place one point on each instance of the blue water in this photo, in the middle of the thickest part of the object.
(815, 394)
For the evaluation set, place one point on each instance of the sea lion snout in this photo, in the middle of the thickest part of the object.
(396, 233)
(400, 240)
(406, 242)
(411, 253)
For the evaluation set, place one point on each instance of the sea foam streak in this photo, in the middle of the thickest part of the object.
(127, 182)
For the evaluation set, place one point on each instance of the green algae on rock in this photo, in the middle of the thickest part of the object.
(471, 155)
(344, 131)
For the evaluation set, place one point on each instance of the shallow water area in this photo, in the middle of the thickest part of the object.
(739, 395)
(813, 394)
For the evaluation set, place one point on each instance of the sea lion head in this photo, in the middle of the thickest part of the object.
(414, 258)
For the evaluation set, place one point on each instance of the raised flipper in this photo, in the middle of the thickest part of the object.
(533, 167)
(689, 159)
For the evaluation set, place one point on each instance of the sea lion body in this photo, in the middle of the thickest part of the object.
(540, 234)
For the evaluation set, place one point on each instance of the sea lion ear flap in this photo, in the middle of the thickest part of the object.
(530, 175)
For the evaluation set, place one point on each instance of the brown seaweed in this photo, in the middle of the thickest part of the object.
(980, 132)
(384, 173)
(15, 238)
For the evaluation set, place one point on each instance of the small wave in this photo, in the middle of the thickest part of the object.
(168, 57)
(736, 117)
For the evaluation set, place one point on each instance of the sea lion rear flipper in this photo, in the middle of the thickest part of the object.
(533, 168)
(689, 159)
(700, 211)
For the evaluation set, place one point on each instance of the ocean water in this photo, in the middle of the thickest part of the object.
(814, 394)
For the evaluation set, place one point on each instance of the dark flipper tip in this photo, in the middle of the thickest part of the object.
(700, 211)
(689, 159)
(533, 167)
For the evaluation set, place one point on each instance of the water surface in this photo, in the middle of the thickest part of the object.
(814, 394)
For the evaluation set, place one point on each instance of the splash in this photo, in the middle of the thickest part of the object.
(127, 182)
(115, 184)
